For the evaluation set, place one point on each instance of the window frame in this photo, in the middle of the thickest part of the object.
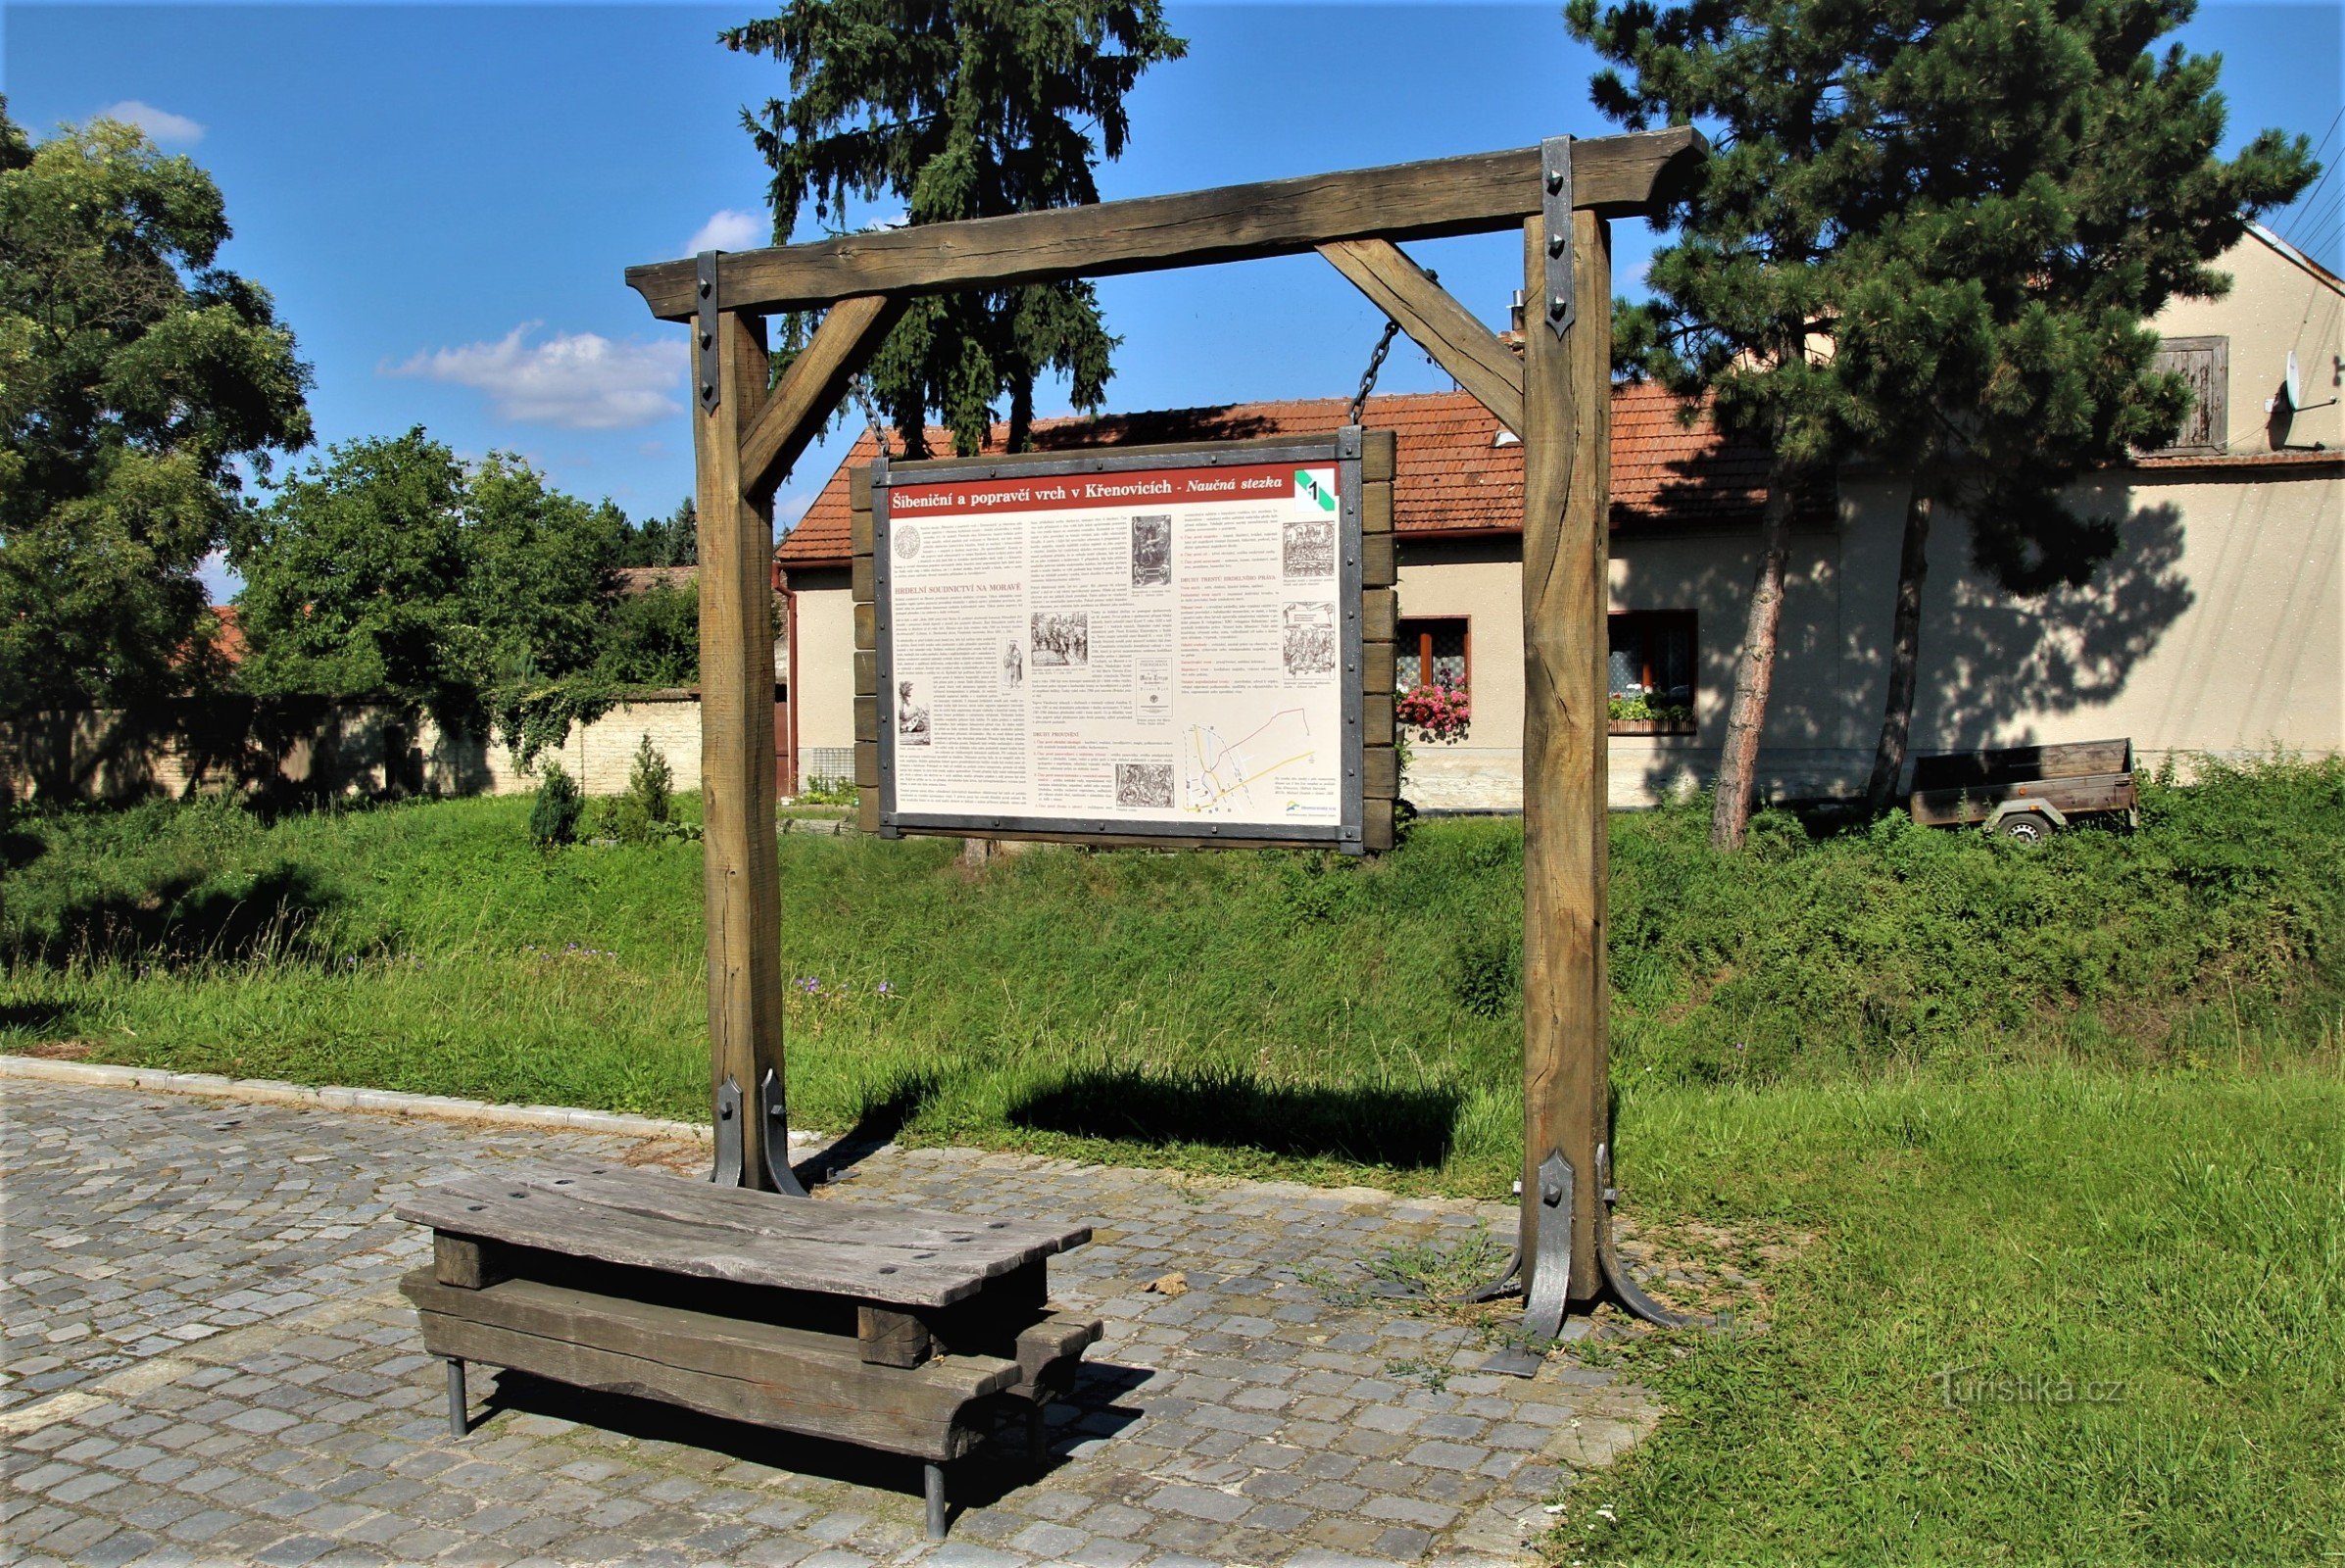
(1423, 639)
(1690, 620)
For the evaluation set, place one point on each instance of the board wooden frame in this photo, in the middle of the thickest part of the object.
(1560, 197)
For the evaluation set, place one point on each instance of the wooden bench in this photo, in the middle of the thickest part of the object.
(900, 1330)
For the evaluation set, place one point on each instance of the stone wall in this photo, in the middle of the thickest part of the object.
(315, 747)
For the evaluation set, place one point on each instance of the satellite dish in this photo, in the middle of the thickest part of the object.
(2291, 384)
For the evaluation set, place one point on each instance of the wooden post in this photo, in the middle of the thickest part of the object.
(741, 877)
(1567, 413)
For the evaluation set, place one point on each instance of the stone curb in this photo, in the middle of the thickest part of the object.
(269, 1091)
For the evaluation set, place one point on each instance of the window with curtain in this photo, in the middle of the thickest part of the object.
(1651, 669)
(1430, 650)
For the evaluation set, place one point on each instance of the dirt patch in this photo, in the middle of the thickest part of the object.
(60, 1051)
(1716, 1272)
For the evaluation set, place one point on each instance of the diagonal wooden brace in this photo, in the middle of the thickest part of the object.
(1439, 325)
(810, 389)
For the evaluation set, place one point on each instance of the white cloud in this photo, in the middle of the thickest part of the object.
(577, 380)
(731, 230)
(160, 124)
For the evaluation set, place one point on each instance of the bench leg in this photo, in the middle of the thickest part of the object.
(457, 1425)
(932, 1482)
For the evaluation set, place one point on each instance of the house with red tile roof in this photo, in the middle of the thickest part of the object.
(2218, 627)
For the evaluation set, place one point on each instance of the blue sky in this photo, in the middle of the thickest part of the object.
(443, 198)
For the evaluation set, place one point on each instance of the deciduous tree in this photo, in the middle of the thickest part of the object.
(140, 385)
(355, 581)
(389, 570)
(1930, 230)
(959, 109)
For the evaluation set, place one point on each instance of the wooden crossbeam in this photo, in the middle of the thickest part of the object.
(1431, 315)
(1483, 193)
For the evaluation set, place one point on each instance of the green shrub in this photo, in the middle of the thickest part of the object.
(646, 809)
(820, 790)
(1486, 973)
(646, 812)
(650, 782)
(554, 814)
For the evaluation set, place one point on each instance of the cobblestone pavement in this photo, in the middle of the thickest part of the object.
(206, 1361)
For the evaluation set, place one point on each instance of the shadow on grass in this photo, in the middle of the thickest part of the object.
(19, 850)
(1097, 1406)
(183, 921)
(33, 1015)
(1400, 1128)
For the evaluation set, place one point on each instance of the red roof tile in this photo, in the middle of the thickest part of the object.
(1449, 473)
(229, 637)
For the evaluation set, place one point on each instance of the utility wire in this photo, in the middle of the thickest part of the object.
(2304, 204)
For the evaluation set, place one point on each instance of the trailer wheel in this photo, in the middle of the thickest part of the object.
(2025, 827)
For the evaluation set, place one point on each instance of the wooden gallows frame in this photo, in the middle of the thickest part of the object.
(1556, 397)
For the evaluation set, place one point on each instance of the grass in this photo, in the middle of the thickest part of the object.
(2041, 1316)
(1241, 1013)
(1982, 1122)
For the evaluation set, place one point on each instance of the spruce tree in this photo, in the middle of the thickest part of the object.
(959, 109)
(1929, 231)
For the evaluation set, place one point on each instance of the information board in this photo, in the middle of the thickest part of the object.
(1137, 645)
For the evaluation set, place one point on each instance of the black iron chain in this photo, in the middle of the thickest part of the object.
(1375, 362)
(860, 386)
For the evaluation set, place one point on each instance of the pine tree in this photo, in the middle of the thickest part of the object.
(960, 108)
(1930, 230)
(669, 541)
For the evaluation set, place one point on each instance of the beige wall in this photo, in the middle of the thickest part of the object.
(2219, 626)
(1706, 572)
(599, 755)
(184, 748)
(1481, 580)
(824, 692)
(2274, 306)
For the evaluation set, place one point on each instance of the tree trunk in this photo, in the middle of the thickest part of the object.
(1905, 651)
(1021, 415)
(1754, 669)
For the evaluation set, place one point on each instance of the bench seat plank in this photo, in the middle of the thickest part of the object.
(665, 1197)
(651, 1220)
(792, 1378)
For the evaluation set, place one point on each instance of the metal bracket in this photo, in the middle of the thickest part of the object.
(1551, 1265)
(704, 333)
(1616, 1274)
(774, 1113)
(1555, 215)
(1550, 1282)
(728, 1134)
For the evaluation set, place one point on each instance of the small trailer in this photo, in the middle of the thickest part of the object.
(2027, 792)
